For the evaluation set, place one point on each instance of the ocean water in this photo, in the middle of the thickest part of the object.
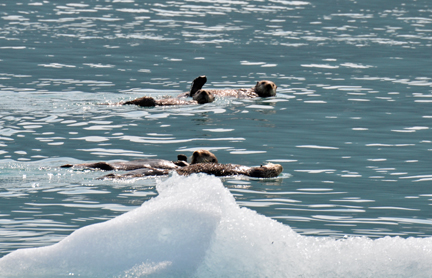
(351, 125)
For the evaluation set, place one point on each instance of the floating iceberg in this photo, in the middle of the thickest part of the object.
(194, 228)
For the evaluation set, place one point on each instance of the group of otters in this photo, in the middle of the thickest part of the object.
(202, 161)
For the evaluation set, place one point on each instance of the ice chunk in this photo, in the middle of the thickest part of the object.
(194, 228)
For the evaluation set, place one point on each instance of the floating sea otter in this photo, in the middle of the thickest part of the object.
(202, 161)
(263, 88)
(269, 170)
(197, 99)
(200, 156)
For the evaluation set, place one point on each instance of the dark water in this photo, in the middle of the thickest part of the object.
(350, 124)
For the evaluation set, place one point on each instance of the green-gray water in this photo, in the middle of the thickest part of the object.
(351, 123)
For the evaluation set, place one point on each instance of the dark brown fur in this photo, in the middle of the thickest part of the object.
(150, 102)
(220, 170)
(267, 171)
(144, 172)
(199, 99)
(263, 88)
(202, 161)
(199, 156)
(203, 156)
(127, 165)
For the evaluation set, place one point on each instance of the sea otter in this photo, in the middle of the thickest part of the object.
(269, 170)
(199, 156)
(202, 161)
(263, 88)
(197, 84)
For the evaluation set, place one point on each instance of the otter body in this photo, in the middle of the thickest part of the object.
(127, 165)
(199, 156)
(198, 99)
(150, 102)
(144, 172)
(220, 170)
(263, 88)
(202, 161)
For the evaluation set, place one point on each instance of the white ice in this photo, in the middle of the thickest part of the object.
(194, 228)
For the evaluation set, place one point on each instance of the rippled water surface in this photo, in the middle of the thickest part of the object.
(351, 123)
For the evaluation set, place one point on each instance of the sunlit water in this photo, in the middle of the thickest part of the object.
(351, 123)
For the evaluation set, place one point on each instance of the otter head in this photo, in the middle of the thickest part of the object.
(197, 84)
(265, 88)
(203, 96)
(269, 170)
(203, 156)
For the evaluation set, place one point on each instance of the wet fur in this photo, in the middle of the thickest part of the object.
(127, 165)
(138, 173)
(220, 170)
(199, 156)
(150, 102)
(203, 156)
(202, 161)
(263, 88)
(198, 99)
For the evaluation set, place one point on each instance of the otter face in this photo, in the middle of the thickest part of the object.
(265, 88)
(269, 170)
(203, 156)
(277, 168)
(203, 96)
